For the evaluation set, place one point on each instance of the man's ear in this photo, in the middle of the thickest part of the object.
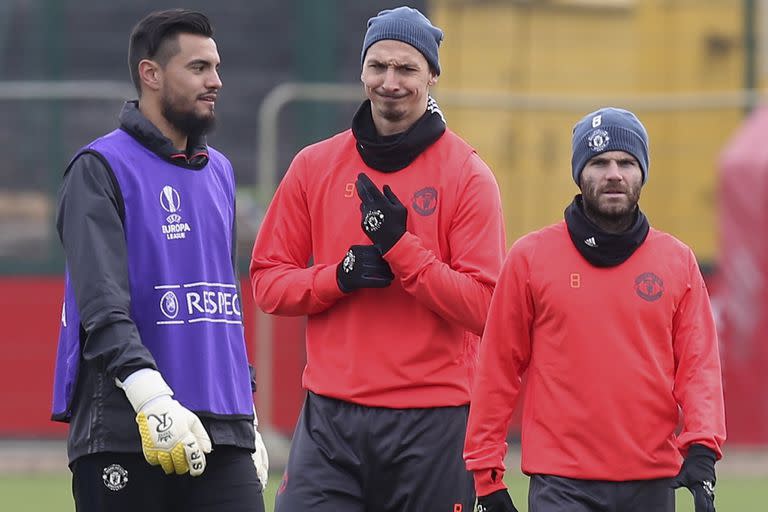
(150, 74)
(432, 79)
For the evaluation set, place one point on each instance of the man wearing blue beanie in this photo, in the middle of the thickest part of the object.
(611, 320)
(409, 26)
(397, 292)
(609, 129)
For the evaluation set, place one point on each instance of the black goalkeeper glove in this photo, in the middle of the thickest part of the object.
(498, 501)
(363, 267)
(698, 475)
(384, 216)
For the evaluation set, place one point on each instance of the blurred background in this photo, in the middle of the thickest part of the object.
(517, 74)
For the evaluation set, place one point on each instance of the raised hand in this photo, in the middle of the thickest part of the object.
(384, 216)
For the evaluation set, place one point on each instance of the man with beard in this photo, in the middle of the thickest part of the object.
(151, 353)
(612, 322)
(389, 236)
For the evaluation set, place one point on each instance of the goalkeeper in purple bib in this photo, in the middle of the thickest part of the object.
(151, 371)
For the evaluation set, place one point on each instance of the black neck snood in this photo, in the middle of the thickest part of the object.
(599, 248)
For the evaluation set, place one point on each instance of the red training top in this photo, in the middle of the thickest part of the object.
(610, 354)
(412, 344)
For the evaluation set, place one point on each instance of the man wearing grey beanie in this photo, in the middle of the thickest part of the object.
(397, 294)
(611, 320)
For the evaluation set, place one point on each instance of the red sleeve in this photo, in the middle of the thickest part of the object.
(698, 378)
(505, 351)
(460, 290)
(282, 283)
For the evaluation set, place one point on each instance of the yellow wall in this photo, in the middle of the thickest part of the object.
(592, 56)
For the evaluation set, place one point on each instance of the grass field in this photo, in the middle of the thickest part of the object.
(51, 493)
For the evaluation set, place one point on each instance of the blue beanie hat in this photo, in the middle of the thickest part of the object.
(409, 26)
(609, 129)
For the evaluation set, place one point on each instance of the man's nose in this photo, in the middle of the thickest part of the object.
(214, 81)
(390, 78)
(613, 171)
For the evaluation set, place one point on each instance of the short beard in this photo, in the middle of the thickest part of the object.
(610, 221)
(187, 122)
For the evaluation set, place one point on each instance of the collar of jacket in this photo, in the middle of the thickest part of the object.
(599, 248)
(141, 129)
(395, 152)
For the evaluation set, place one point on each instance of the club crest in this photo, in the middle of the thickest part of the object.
(598, 140)
(115, 477)
(649, 286)
(372, 220)
(349, 262)
(425, 201)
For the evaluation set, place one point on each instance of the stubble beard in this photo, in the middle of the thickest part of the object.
(392, 113)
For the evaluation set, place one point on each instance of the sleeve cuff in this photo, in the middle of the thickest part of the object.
(326, 288)
(705, 445)
(400, 247)
(485, 484)
(408, 256)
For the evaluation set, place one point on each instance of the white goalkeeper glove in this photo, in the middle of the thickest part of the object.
(259, 456)
(171, 435)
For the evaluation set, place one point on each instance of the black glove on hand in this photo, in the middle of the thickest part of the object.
(498, 501)
(384, 216)
(363, 267)
(698, 475)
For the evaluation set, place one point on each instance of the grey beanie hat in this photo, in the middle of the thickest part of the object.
(409, 26)
(609, 129)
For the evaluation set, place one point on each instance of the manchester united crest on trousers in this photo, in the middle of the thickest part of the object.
(115, 477)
